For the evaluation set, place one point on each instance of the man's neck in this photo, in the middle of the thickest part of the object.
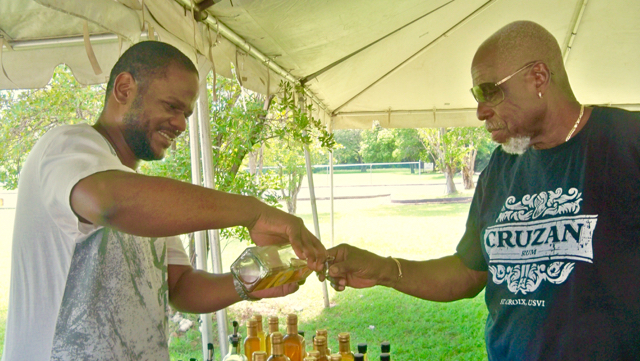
(117, 141)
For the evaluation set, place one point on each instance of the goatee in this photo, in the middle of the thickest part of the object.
(516, 145)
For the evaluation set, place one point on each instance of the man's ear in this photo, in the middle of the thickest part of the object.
(124, 88)
(542, 76)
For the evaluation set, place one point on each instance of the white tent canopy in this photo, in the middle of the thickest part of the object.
(403, 63)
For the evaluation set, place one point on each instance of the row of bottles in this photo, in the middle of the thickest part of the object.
(274, 346)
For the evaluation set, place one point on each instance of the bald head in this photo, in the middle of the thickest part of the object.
(519, 43)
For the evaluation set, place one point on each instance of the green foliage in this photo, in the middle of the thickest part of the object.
(378, 145)
(348, 148)
(408, 145)
(25, 115)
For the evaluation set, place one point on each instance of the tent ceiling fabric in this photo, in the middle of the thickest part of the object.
(404, 63)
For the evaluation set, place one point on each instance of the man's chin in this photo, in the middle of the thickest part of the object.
(516, 145)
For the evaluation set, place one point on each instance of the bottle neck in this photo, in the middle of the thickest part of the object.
(344, 346)
(292, 329)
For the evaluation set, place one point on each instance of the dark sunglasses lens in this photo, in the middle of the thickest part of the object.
(487, 93)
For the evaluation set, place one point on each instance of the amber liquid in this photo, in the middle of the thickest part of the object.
(251, 345)
(293, 347)
(278, 277)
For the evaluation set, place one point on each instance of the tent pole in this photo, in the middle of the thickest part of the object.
(331, 196)
(200, 237)
(209, 182)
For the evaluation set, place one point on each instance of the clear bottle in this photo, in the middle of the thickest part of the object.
(261, 334)
(260, 268)
(344, 346)
(320, 345)
(292, 343)
(234, 349)
(251, 342)
(358, 357)
(259, 356)
(273, 327)
(277, 347)
(362, 348)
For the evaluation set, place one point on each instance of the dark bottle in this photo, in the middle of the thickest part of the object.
(358, 357)
(385, 357)
(362, 348)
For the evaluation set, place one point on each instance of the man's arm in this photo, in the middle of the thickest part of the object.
(157, 207)
(444, 279)
(196, 291)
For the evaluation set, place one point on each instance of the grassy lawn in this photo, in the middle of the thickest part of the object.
(417, 330)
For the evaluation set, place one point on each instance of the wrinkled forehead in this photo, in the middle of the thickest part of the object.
(485, 67)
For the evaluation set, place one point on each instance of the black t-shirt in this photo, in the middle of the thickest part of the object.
(559, 232)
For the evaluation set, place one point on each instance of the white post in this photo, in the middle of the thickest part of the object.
(331, 195)
(200, 237)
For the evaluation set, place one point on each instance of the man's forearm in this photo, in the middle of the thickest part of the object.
(444, 279)
(157, 207)
(197, 291)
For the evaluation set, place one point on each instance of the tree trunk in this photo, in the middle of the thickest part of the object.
(448, 175)
(469, 169)
(253, 162)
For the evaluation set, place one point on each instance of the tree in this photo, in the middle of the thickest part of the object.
(26, 115)
(377, 145)
(475, 138)
(408, 145)
(348, 149)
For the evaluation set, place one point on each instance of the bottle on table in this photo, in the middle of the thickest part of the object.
(277, 348)
(320, 345)
(292, 343)
(335, 357)
(261, 334)
(344, 346)
(385, 347)
(234, 346)
(362, 348)
(304, 343)
(251, 342)
(273, 327)
(358, 357)
(259, 268)
(259, 356)
(324, 333)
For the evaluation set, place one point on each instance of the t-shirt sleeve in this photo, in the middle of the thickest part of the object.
(470, 247)
(72, 153)
(176, 253)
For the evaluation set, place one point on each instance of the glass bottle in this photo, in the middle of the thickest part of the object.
(324, 333)
(385, 357)
(358, 357)
(292, 343)
(210, 351)
(260, 268)
(304, 343)
(362, 348)
(310, 358)
(251, 342)
(385, 347)
(313, 353)
(234, 349)
(259, 356)
(261, 334)
(277, 347)
(320, 344)
(335, 357)
(273, 327)
(344, 346)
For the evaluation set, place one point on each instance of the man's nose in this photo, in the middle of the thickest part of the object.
(484, 112)
(179, 122)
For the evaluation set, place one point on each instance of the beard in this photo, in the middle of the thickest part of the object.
(516, 145)
(136, 133)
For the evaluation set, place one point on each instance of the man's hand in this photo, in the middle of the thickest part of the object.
(357, 268)
(273, 226)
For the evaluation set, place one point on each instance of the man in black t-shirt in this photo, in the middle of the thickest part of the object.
(553, 231)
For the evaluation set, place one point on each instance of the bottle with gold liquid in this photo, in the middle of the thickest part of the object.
(335, 357)
(362, 348)
(259, 268)
(251, 342)
(320, 345)
(304, 343)
(292, 343)
(310, 358)
(344, 346)
(261, 334)
(273, 327)
(259, 356)
(324, 333)
(314, 353)
(277, 347)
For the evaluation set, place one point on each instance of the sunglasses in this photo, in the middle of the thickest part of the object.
(491, 93)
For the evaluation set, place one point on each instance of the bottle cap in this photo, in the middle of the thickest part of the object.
(209, 346)
(292, 318)
(335, 357)
(358, 357)
(273, 319)
(252, 327)
(320, 341)
(276, 337)
(259, 356)
(385, 357)
(314, 353)
(362, 348)
(322, 332)
(385, 347)
(344, 336)
(310, 358)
